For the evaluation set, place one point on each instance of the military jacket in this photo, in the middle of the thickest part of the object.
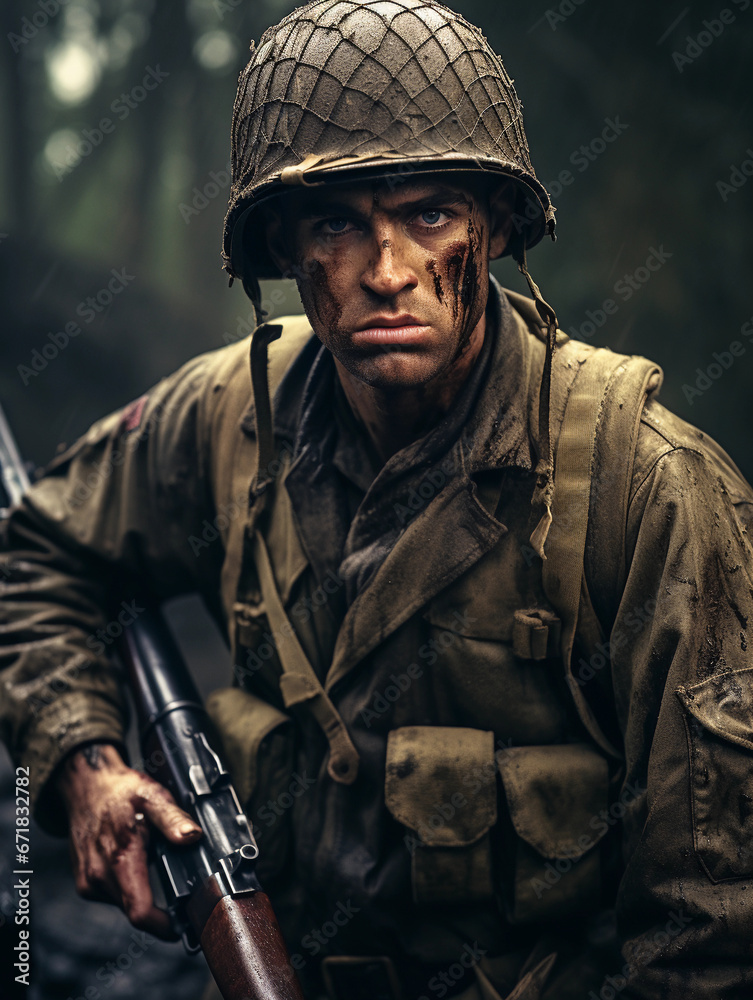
(484, 819)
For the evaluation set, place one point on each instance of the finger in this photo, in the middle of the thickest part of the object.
(131, 874)
(160, 809)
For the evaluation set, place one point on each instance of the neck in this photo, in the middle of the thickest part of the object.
(394, 419)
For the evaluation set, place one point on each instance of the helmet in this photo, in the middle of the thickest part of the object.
(344, 91)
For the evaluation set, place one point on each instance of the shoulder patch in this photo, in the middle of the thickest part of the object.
(133, 414)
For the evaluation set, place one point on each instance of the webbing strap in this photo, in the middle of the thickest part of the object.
(566, 545)
(299, 683)
(260, 341)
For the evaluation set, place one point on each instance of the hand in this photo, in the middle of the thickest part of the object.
(109, 808)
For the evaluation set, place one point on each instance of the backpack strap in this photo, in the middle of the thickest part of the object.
(606, 398)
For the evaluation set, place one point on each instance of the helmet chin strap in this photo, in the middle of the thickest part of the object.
(252, 289)
(260, 341)
(544, 491)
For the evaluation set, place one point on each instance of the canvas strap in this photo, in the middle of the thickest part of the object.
(610, 384)
(299, 683)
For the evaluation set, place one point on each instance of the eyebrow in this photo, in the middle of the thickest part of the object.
(331, 206)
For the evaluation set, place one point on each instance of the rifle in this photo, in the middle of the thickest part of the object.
(213, 895)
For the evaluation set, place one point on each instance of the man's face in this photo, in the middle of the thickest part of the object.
(394, 279)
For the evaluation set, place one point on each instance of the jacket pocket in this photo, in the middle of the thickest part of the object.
(556, 796)
(440, 784)
(257, 745)
(719, 722)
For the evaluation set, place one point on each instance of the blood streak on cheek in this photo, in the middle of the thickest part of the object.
(469, 289)
(462, 270)
(454, 260)
(431, 267)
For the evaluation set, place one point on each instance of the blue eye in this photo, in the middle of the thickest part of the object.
(338, 225)
(432, 217)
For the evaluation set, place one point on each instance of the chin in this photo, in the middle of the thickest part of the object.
(393, 371)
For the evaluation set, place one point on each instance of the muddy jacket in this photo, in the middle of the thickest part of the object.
(485, 827)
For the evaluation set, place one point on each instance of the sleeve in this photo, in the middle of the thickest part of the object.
(683, 688)
(109, 527)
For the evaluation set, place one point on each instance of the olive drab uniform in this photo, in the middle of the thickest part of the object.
(429, 782)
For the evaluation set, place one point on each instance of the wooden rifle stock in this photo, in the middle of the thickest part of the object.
(243, 946)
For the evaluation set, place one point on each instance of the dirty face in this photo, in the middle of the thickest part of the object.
(394, 281)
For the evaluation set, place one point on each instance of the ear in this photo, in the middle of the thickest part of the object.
(501, 207)
(277, 243)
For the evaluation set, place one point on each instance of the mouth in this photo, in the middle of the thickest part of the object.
(402, 330)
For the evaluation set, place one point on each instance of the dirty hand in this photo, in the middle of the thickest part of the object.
(110, 807)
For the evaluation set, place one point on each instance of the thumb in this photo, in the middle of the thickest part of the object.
(170, 819)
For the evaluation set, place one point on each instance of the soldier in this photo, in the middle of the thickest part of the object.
(490, 711)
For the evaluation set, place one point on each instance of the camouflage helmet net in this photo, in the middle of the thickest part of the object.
(342, 90)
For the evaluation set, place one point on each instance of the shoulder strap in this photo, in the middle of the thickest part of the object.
(607, 395)
(299, 683)
(236, 456)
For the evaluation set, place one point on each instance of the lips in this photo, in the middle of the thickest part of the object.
(404, 329)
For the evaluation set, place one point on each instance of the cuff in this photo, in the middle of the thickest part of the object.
(70, 722)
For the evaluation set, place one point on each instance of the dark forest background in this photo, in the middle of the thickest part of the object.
(150, 198)
(147, 202)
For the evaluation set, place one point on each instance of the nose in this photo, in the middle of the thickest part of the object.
(389, 271)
